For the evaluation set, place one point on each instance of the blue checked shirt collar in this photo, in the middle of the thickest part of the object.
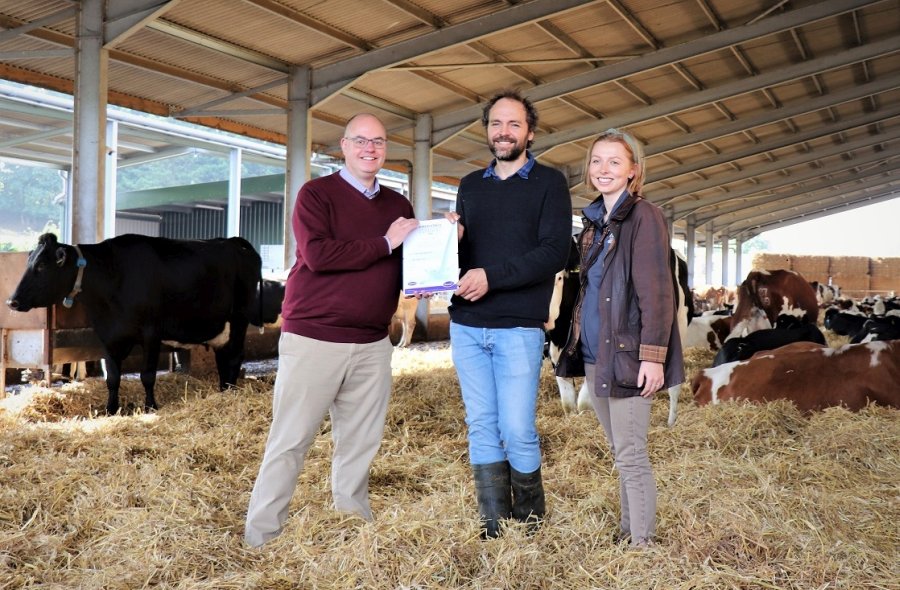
(367, 193)
(521, 172)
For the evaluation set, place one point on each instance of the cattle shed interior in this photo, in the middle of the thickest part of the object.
(754, 114)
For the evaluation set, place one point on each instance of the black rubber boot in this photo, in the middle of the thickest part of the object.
(493, 493)
(528, 498)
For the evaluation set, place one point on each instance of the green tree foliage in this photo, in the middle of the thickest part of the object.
(757, 244)
(30, 196)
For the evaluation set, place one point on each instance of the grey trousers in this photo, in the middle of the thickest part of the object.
(625, 421)
(352, 382)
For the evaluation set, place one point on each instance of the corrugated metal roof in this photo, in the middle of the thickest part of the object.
(577, 59)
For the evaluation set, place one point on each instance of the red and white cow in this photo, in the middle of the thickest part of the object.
(812, 376)
(772, 293)
(712, 297)
(706, 331)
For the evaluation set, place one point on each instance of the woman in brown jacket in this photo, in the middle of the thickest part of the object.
(624, 336)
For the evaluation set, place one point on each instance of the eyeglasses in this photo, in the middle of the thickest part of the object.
(362, 142)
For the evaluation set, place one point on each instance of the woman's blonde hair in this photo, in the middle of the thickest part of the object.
(635, 150)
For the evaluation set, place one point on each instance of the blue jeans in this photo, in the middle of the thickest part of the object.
(499, 370)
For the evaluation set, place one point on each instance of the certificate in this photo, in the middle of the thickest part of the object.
(430, 262)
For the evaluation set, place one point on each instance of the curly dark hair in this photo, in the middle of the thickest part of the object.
(531, 116)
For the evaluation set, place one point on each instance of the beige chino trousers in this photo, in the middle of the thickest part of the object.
(626, 421)
(352, 382)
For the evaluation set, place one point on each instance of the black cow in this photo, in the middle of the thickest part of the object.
(842, 322)
(267, 299)
(568, 282)
(144, 290)
(740, 349)
(878, 328)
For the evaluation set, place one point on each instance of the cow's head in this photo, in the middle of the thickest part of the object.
(49, 275)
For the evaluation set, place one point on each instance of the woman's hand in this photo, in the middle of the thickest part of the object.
(651, 375)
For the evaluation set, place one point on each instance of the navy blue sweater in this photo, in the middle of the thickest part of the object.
(519, 231)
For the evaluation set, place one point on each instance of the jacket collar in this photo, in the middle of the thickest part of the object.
(620, 212)
(624, 208)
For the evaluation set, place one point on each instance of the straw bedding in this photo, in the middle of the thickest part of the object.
(750, 497)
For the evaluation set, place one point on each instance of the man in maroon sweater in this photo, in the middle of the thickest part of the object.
(334, 354)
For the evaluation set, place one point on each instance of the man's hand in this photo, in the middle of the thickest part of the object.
(399, 230)
(453, 217)
(473, 285)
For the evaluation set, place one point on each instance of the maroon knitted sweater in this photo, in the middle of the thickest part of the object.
(344, 285)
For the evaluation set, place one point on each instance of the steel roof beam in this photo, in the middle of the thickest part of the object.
(887, 195)
(126, 17)
(687, 207)
(31, 157)
(802, 196)
(51, 19)
(743, 86)
(769, 116)
(761, 203)
(782, 141)
(33, 137)
(666, 196)
(804, 212)
(289, 14)
(810, 205)
(766, 117)
(330, 79)
(449, 124)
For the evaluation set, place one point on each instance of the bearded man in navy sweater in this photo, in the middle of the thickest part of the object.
(334, 354)
(514, 222)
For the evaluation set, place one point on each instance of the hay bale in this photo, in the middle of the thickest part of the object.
(813, 268)
(885, 275)
(770, 261)
(850, 283)
(850, 265)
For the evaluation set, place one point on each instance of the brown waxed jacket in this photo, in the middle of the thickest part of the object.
(636, 305)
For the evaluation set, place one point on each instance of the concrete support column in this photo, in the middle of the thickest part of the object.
(738, 267)
(690, 238)
(421, 173)
(89, 160)
(299, 152)
(670, 222)
(421, 192)
(725, 241)
(233, 228)
(709, 253)
(109, 185)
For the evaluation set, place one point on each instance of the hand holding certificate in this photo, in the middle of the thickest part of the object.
(430, 262)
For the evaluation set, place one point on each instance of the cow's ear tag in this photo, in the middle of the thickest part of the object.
(60, 256)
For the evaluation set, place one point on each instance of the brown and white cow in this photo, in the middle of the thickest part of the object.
(712, 297)
(707, 331)
(774, 293)
(812, 376)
